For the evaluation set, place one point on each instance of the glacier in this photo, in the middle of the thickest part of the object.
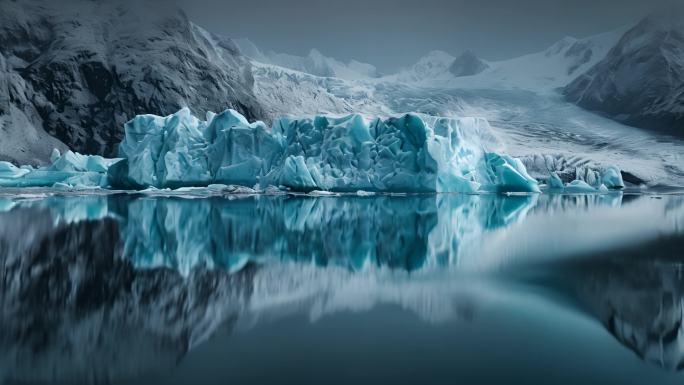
(410, 153)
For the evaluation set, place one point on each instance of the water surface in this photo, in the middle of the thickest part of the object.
(342, 289)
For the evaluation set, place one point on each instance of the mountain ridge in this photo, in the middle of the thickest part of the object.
(641, 80)
(78, 79)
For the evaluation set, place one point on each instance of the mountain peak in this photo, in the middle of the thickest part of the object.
(640, 81)
(467, 64)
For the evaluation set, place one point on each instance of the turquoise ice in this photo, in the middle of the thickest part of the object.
(408, 153)
(349, 153)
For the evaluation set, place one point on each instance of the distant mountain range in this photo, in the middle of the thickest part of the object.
(315, 63)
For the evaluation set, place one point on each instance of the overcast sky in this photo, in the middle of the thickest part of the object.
(395, 33)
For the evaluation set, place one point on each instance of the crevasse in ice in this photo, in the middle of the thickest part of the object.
(407, 154)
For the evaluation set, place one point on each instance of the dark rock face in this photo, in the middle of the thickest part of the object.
(80, 69)
(641, 80)
(467, 64)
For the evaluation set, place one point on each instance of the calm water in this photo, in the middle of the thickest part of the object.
(323, 290)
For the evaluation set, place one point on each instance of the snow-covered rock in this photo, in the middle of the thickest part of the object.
(467, 64)
(640, 301)
(641, 80)
(78, 70)
(435, 65)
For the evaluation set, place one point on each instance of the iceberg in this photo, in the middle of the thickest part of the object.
(342, 154)
(588, 181)
(71, 170)
(10, 171)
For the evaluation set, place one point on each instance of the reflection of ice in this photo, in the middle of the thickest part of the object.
(407, 233)
(170, 272)
(400, 232)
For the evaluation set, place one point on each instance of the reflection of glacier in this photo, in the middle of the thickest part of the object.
(399, 232)
(120, 271)
(407, 232)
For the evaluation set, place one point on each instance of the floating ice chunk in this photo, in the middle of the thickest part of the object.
(579, 187)
(589, 181)
(75, 162)
(611, 178)
(10, 171)
(508, 174)
(567, 169)
(85, 180)
(68, 170)
(555, 182)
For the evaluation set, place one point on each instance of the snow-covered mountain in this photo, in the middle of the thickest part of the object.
(77, 70)
(467, 64)
(315, 63)
(432, 67)
(641, 80)
(439, 66)
(543, 71)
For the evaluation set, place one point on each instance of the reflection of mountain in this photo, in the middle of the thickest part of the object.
(75, 311)
(639, 297)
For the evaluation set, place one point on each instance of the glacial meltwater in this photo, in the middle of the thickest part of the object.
(366, 289)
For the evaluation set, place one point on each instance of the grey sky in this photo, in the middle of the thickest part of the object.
(394, 33)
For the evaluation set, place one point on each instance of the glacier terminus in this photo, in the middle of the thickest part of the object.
(408, 153)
